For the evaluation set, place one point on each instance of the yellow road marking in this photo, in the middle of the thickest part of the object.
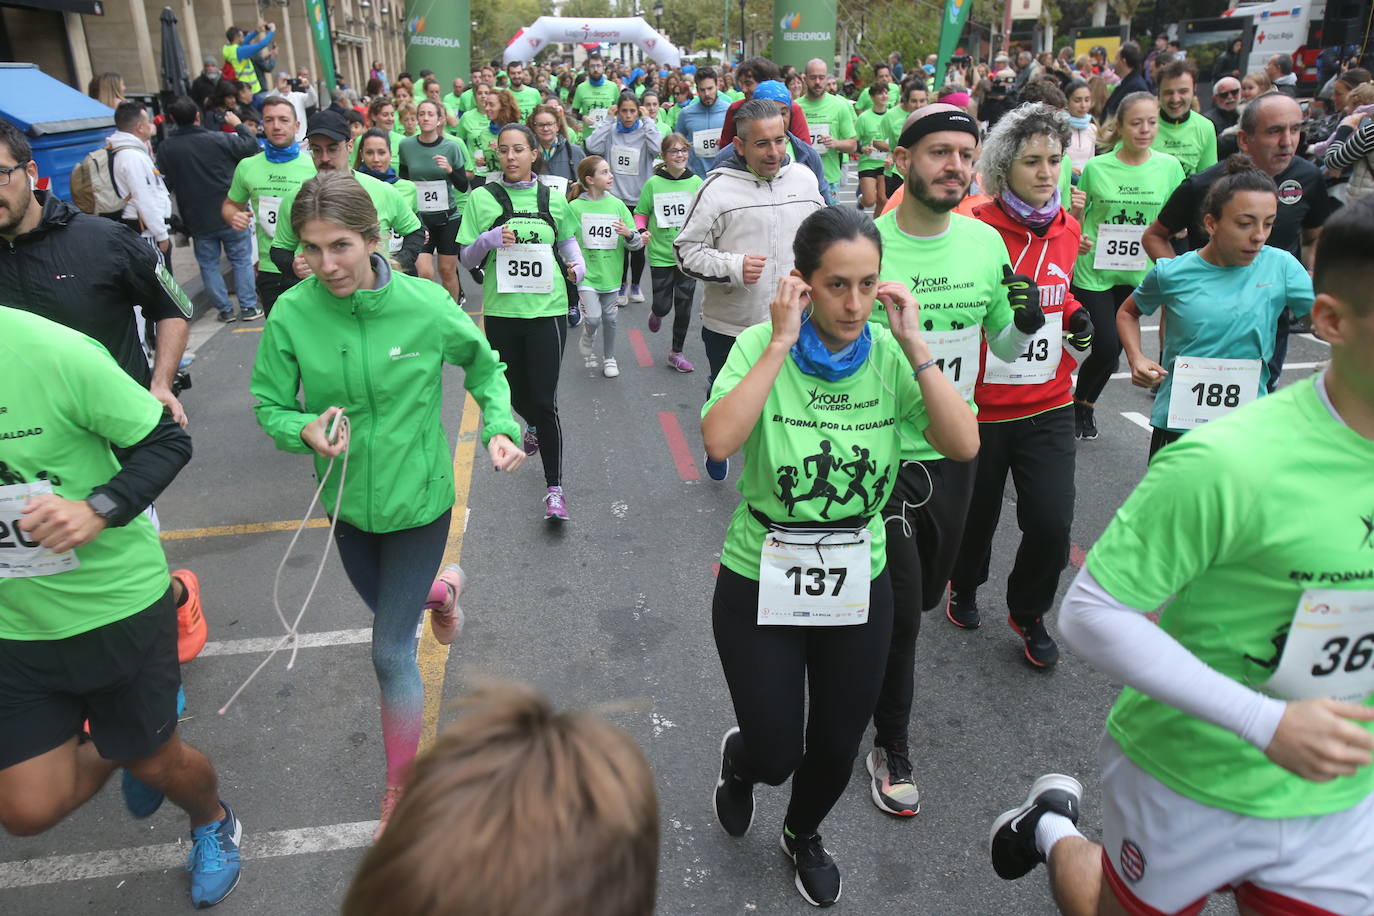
(184, 534)
(247, 330)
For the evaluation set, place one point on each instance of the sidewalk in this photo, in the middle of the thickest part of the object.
(187, 273)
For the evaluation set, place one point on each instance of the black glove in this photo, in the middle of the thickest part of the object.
(1024, 295)
(1079, 333)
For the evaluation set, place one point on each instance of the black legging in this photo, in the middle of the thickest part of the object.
(770, 670)
(634, 266)
(532, 349)
(673, 291)
(1105, 357)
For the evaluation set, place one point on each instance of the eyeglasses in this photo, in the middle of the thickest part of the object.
(5, 173)
(678, 149)
(1228, 94)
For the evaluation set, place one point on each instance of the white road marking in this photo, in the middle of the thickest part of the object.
(87, 865)
(1314, 338)
(1138, 419)
(307, 641)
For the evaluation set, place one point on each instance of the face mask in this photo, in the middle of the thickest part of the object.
(813, 358)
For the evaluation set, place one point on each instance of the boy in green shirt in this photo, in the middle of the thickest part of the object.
(831, 120)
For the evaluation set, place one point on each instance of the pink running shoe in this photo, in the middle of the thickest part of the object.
(529, 443)
(445, 614)
(679, 362)
(555, 507)
(390, 797)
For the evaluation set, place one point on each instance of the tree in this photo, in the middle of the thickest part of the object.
(499, 20)
(587, 9)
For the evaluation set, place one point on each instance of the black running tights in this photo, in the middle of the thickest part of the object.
(532, 349)
(1105, 357)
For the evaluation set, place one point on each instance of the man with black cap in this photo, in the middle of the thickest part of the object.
(959, 271)
(331, 147)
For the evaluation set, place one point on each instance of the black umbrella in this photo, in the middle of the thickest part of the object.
(175, 78)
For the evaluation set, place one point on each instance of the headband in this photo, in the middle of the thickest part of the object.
(935, 122)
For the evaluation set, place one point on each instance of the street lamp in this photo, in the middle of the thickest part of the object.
(658, 15)
(741, 29)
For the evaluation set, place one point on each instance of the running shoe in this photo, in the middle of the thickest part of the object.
(586, 345)
(445, 614)
(529, 443)
(141, 799)
(192, 630)
(214, 860)
(390, 798)
(717, 470)
(1085, 427)
(227, 316)
(1014, 852)
(555, 507)
(818, 877)
(655, 322)
(962, 610)
(679, 362)
(894, 788)
(574, 316)
(635, 294)
(733, 799)
(621, 298)
(249, 314)
(1041, 650)
(610, 368)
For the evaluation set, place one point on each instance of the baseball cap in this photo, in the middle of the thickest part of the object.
(329, 124)
(774, 91)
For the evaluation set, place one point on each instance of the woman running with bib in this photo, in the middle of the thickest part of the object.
(1125, 189)
(662, 209)
(629, 143)
(436, 163)
(393, 520)
(1223, 303)
(608, 231)
(803, 608)
(524, 237)
(374, 157)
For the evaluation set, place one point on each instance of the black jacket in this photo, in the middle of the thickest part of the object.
(1134, 81)
(198, 166)
(88, 273)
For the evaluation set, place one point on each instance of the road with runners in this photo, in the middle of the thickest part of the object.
(613, 608)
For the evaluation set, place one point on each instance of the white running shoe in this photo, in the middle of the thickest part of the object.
(609, 368)
(587, 347)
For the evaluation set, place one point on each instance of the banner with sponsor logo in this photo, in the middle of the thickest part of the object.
(318, 17)
(803, 29)
(951, 27)
(548, 30)
(437, 37)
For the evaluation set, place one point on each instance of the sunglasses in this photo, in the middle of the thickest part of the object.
(1228, 94)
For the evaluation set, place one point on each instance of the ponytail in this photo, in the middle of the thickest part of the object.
(585, 169)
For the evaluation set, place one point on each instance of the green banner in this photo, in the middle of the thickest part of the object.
(318, 16)
(803, 29)
(437, 38)
(951, 27)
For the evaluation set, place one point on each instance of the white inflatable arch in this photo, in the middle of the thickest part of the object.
(548, 30)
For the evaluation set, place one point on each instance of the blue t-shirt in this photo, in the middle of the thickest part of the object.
(1225, 312)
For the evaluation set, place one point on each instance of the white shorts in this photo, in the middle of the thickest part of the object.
(1164, 854)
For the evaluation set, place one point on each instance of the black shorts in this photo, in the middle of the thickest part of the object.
(122, 677)
(871, 173)
(441, 236)
(894, 181)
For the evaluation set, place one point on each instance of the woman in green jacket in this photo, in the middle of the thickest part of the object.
(363, 342)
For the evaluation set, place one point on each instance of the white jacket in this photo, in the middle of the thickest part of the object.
(736, 213)
(135, 174)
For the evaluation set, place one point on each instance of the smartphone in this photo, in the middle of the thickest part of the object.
(333, 433)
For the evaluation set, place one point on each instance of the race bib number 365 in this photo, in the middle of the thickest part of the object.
(21, 556)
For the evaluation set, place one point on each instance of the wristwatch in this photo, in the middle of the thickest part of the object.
(103, 505)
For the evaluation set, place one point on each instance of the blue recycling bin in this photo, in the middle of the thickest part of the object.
(62, 124)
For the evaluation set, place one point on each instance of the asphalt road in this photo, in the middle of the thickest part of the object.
(614, 606)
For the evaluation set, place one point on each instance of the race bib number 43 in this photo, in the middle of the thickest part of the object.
(814, 578)
(1038, 363)
(21, 556)
(1329, 649)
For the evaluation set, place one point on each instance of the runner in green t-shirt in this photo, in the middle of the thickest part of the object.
(438, 165)
(1124, 191)
(882, 77)
(607, 232)
(594, 97)
(913, 95)
(1185, 134)
(88, 633)
(814, 398)
(1238, 756)
(259, 185)
(523, 291)
(474, 128)
(958, 269)
(527, 97)
(831, 120)
(873, 148)
(662, 209)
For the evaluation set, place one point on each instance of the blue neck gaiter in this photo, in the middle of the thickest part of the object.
(389, 176)
(281, 153)
(622, 129)
(1080, 123)
(813, 358)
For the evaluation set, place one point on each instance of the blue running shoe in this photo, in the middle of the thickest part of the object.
(717, 470)
(214, 860)
(141, 799)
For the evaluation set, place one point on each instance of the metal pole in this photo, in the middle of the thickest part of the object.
(1006, 29)
(741, 29)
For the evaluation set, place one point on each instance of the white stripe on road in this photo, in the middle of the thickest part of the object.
(87, 865)
(1138, 419)
(307, 641)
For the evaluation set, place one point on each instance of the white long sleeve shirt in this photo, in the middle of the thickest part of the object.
(136, 175)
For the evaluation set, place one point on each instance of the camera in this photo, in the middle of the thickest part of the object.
(961, 60)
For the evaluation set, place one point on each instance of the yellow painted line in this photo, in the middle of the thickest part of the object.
(248, 330)
(185, 534)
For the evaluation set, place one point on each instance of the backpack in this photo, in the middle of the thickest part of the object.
(544, 213)
(93, 186)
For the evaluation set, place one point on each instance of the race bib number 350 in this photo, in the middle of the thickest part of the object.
(21, 556)
(525, 269)
(814, 578)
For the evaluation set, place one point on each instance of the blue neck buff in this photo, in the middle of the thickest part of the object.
(622, 129)
(1082, 123)
(813, 358)
(599, 81)
(282, 153)
(389, 176)
(494, 127)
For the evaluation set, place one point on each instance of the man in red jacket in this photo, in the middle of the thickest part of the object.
(1025, 409)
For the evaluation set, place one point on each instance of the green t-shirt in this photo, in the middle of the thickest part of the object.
(605, 266)
(264, 186)
(474, 128)
(666, 191)
(408, 193)
(589, 98)
(1121, 195)
(417, 163)
(453, 103)
(1236, 522)
(819, 446)
(482, 211)
(60, 431)
(1193, 142)
(466, 102)
(828, 116)
(394, 213)
(892, 129)
(527, 97)
(869, 127)
(957, 281)
(865, 100)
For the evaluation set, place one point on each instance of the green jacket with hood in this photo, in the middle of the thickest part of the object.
(379, 354)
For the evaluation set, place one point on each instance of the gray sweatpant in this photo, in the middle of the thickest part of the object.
(599, 313)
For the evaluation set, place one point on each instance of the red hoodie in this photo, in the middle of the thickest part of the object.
(1048, 259)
